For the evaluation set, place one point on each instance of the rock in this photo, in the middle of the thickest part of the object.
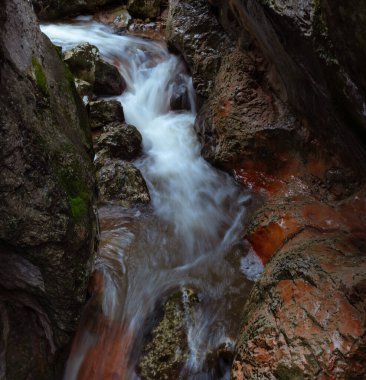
(179, 99)
(47, 224)
(84, 89)
(53, 9)
(118, 17)
(306, 316)
(144, 8)
(121, 141)
(306, 41)
(85, 63)
(82, 61)
(103, 112)
(121, 183)
(166, 349)
(242, 120)
(193, 30)
(108, 80)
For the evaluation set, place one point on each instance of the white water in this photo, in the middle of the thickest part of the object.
(198, 212)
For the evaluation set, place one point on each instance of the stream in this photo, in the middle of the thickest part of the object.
(191, 237)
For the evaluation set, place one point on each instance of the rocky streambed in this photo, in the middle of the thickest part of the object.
(263, 92)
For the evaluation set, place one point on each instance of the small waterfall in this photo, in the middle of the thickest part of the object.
(191, 238)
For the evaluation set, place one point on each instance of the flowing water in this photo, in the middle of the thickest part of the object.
(191, 237)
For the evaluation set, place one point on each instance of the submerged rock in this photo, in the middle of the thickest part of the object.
(103, 112)
(121, 183)
(179, 99)
(120, 141)
(47, 185)
(144, 8)
(166, 349)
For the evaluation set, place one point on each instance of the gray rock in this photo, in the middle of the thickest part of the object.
(121, 183)
(120, 141)
(166, 350)
(108, 80)
(85, 63)
(144, 8)
(103, 112)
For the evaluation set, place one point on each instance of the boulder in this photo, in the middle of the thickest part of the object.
(144, 8)
(121, 141)
(165, 351)
(103, 112)
(84, 89)
(47, 185)
(53, 9)
(85, 63)
(120, 182)
(82, 60)
(108, 80)
(117, 17)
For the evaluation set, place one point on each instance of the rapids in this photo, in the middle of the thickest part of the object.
(190, 237)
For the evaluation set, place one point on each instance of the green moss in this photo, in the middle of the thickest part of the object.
(79, 206)
(40, 76)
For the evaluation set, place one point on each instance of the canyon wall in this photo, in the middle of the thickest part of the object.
(47, 186)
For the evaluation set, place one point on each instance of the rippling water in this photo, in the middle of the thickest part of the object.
(191, 237)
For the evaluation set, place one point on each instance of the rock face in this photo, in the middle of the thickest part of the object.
(52, 9)
(47, 224)
(271, 116)
(194, 31)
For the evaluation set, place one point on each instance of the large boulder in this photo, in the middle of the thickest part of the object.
(47, 224)
(121, 183)
(120, 140)
(85, 63)
(144, 8)
(166, 350)
(103, 112)
(52, 9)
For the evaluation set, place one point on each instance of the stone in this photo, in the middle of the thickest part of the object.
(54, 9)
(47, 185)
(144, 8)
(121, 141)
(117, 17)
(120, 182)
(84, 89)
(82, 60)
(103, 112)
(165, 351)
(85, 63)
(108, 80)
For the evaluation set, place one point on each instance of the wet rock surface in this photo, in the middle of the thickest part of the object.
(85, 63)
(120, 141)
(120, 182)
(257, 120)
(47, 227)
(193, 30)
(166, 351)
(103, 112)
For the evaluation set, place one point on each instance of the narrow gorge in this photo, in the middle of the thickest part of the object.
(183, 190)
